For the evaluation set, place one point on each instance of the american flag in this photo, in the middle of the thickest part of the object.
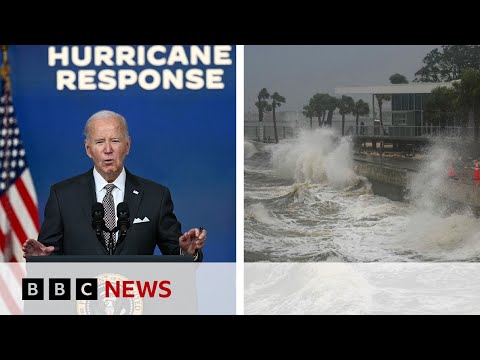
(18, 206)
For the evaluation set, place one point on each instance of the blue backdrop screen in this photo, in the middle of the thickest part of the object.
(179, 102)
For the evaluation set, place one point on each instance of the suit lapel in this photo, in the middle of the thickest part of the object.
(133, 194)
(87, 197)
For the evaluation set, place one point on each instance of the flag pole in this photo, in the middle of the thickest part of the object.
(6, 91)
(5, 68)
(5, 73)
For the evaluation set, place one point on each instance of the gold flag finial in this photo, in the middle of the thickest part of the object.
(5, 68)
(5, 54)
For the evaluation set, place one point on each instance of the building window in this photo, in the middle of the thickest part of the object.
(411, 101)
(418, 102)
(399, 119)
(396, 102)
(405, 102)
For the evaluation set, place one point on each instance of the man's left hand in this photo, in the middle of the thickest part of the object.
(193, 240)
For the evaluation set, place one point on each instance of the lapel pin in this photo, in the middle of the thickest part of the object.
(135, 192)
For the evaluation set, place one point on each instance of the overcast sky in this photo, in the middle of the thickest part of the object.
(297, 72)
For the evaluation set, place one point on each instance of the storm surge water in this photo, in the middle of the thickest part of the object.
(305, 203)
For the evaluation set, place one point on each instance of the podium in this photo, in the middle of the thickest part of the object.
(117, 284)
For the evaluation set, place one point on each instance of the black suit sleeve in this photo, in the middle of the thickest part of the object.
(169, 228)
(51, 233)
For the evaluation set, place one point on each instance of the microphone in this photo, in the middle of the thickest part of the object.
(123, 223)
(98, 223)
(98, 212)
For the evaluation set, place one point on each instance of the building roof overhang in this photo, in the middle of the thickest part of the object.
(414, 88)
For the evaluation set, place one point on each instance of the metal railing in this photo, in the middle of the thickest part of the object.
(409, 131)
(253, 132)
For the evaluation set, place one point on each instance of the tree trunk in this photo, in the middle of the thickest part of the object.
(323, 118)
(274, 124)
(356, 125)
(343, 124)
(380, 113)
(311, 125)
(382, 129)
(330, 118)
(260, 111)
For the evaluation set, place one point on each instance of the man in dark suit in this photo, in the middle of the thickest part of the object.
(67, 228)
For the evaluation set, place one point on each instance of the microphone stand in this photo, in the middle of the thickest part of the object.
(98, 224)
(110, 240)
(111, 246)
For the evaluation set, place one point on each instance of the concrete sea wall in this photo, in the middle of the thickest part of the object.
(393, 182)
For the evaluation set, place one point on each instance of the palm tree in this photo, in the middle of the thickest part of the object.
(263, 95)
(319, 105)
(331, 105)
(345, 106)
(277, 101)
(309, 112)
(360, 108)
(263, 106)
(323, 99)
(380, 99)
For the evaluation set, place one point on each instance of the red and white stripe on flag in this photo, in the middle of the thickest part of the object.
(11, 275)
(18, 201)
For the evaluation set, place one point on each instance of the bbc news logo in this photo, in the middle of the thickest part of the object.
(87, 288)
(108, 294)
(59, 289)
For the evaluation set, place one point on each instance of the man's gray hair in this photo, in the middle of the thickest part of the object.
(106, 114)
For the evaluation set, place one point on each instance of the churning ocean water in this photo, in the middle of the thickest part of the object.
(305, 203)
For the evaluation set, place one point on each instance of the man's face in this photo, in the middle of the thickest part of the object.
(107, 146)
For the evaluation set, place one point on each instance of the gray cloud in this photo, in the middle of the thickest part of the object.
(298, 71)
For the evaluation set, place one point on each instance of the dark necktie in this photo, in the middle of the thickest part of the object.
(109, 207)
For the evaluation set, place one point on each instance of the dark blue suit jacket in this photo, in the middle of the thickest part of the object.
(68, 217)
